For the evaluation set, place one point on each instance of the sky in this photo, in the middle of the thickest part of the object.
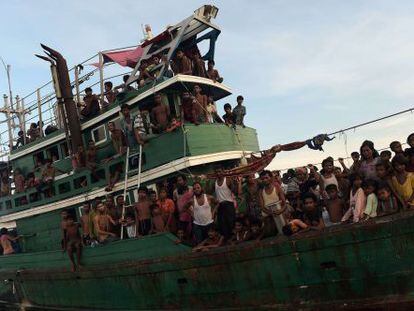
(303, 67)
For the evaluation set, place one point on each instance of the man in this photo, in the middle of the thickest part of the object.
(102, 223)
(188, 108)
(199, 67)
(226, 213)
(118, 139)
(272, 201)
(229, 117)
(90, 104)
(212, 73)
(159, 114)
(203, 209)
(201, 104)
(125, 88)
(127, 126)
(110, 95)
(182, 64)
(239, 111)
(143, 212)
(141, 127)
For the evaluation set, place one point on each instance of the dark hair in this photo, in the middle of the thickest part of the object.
(383, 185)
(370, 145)
(197, 183)
(265, 172)
(355, 154)
(183, 177)
(123, 106)
(394, 143)
(20, 133)
(386, 152)
(399, 159)
(353, 177)
(331, 187)
(240, 97)
(125, 78)
(309, 195)
(327, 161)
(70, 217)
(108, 83)
(227, 106)
(143, 188)
(380, 163)
(409, 152)
(409, 137)
(88, 89)
(3, 231)
(129, 215)
(287, 230)
(369, 182)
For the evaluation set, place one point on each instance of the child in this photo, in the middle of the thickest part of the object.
(158, 223)
(182, 239)
(383, 170)
(174, 124)
(327, 176)
(334, 204)
(403, 182)
(72, 242)
(294, 226)
(239, 233)
(228, 117)
(6, 241)
(239, 111)
(409, 153)
(214, 240)
(86, 224)
(369, 187)
(357, 199)
(386, 156)
(130, 226)
(143, 212)
(255, 232)
(356, 162)
(387, 202)
(312, 215)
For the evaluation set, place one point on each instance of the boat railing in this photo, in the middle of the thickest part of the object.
(40, 106)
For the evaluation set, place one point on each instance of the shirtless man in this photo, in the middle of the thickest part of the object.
(212, 73)
(91, 159)
(19, 181)
(143, 212)
(102, 223)
(91, 104)
(188, 108)
(86, 223)
(201, 104)
(159, 114)
(182, 64)
(63, 221)
(199, 67)
(334, 204)
(5, 241)
(118, 139)
(73, 241)
(110, 95)
(48, 177)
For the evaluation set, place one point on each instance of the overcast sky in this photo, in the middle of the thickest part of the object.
(303, 67)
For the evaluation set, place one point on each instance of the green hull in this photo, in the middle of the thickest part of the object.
(348, 266)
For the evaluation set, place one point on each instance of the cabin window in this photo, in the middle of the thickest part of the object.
(53, 153)
(64, 187)
(80, 182)
(64, 150)
(99, 134)
(39, 159)
(8, 205)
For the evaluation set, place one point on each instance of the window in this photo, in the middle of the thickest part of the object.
(64, 187)
(81, 182)
(53, 153)
(99, 134)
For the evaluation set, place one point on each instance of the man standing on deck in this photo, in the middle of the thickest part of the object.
(226, 212)
(160, 115)
(239, 111)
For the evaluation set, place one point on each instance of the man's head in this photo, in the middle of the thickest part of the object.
(309, 201)
(125, 110)
(163, 193)
(399, 162)
(142, 192)
(327, 165)
(355, 156)
(120, 200)
(386, 155)
(181, 180)
(153, 196)
(266, 177)
(197, 89)
(108, 86)
(240, 99)
(111, 126)
(396, 147)
(332, 191)
(197, 189)
(125, 78)
(227, 108)
(3, 231)
(88, 91)
(86, 208)
(381, 170)
(157, 99)
(383, 191)
(70, 220)
(179, 54)
(410, 140)
(101, 208)
(64, 214)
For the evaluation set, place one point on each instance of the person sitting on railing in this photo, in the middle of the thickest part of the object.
(48, 178)
(91, 104)
(199, 67)
(114, 177)
(33, 132)
(144, 74)
(160, 115)
(181, 64)
(19, 181)
(109, 94)
(212, 73)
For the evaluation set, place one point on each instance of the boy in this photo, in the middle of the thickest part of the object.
(19, 181)
(396, 147)
(255, 232)
(72, 242)
(212, 73)
(386, 156)
(143, 212)
(240, 234)
(90, 104)
(356, 162)
(110, 95)
(369, 187)
(86, 224)
(228, 117)
(160, 115)
(214, 240)
(239, 111)
(130, 225)
(334, 204)
(403, 182)
(387, 202)
(294, 226)
(312, 215)
(157, 221)
(6, 241)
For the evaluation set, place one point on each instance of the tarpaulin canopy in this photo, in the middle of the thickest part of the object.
(125, 58)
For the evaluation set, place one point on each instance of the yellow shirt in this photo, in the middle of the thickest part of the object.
(406, 189)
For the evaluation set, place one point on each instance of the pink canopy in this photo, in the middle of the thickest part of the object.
(125, 58)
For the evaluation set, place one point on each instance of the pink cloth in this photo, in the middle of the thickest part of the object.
(125, 58)
(357, 204)
(184, 215)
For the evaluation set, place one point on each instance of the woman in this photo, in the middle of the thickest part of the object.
(370, 158)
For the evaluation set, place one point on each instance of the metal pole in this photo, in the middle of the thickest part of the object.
(39, 111)
(8, 69)
(7, 108)
(101, 76)
(23, 121)
(125, 189)
(77, 85)
(139, 167)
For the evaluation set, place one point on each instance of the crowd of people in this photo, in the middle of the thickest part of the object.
(226, 211)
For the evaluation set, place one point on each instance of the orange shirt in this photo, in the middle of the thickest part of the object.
(167, 206)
